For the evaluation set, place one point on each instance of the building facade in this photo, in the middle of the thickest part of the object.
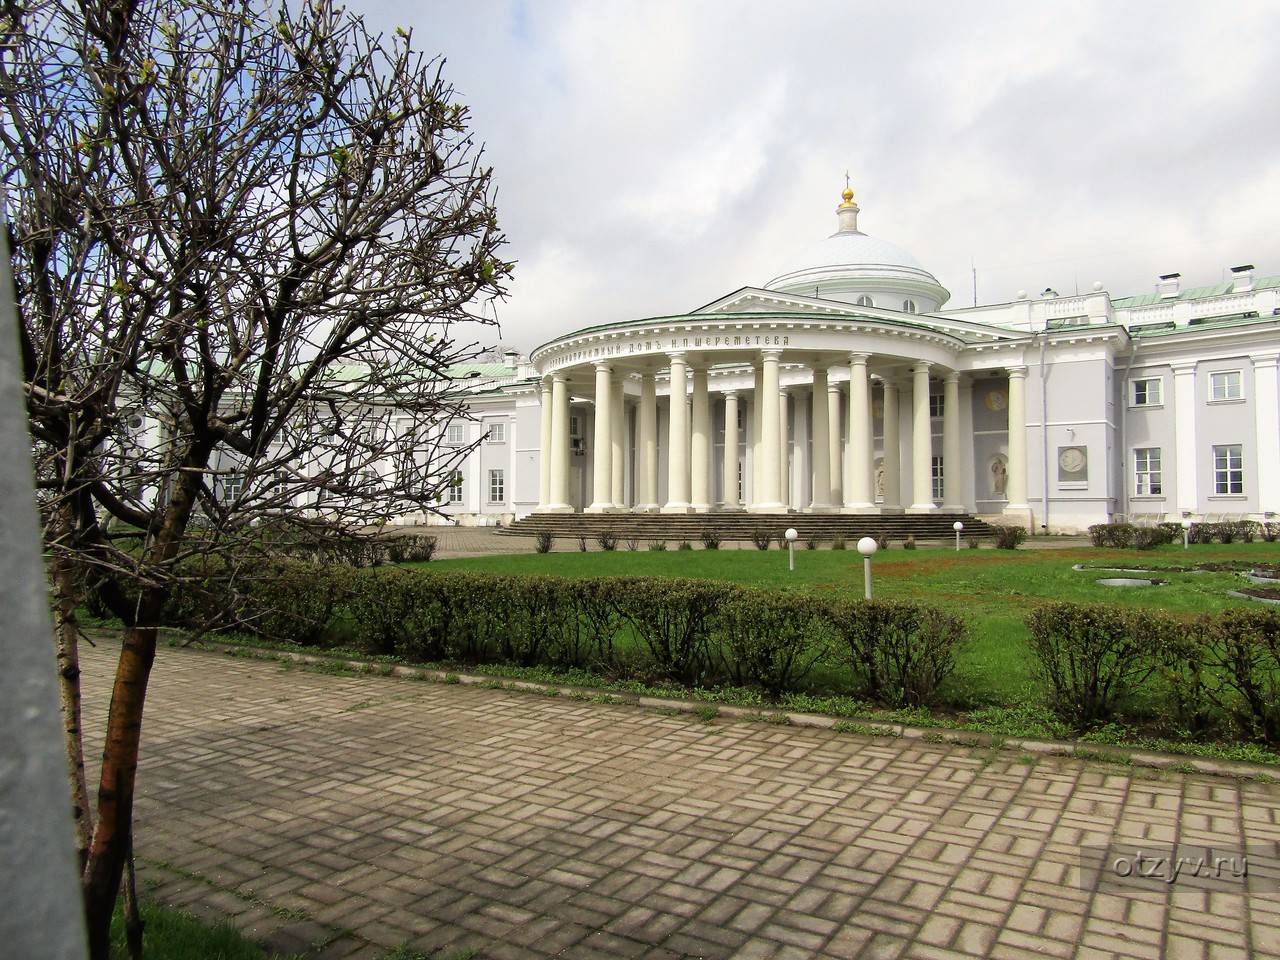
(846, 384)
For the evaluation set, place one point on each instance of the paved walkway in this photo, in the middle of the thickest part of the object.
(345, 816)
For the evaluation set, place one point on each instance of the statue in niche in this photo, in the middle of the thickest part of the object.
(999, 476)
(880, 479)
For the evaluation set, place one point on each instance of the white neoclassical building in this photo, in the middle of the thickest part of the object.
(845, 384)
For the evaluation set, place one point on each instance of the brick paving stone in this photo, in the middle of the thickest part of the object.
(303, 805)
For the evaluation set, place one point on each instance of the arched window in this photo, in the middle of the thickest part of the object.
(909, 306)
(865, 301)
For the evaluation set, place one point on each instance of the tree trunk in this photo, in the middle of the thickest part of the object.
(133, 922)
(67, 633)
(113, 833)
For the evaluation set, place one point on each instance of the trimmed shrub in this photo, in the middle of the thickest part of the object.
(1091, 657)
(685, 545)
(837, 542)
(761, 538)
(910, 542)
(1118, 535)
(882, 541)
(411, 548)
(711, 540)
(543, 541)
(657, 544)
(811, 542)
(608, 540)
(1269, 532)
(1242, 650)
(770, 639)
(1148, 538)
(901, 652)
(633, 543)
(673, 619)
(1007, 537)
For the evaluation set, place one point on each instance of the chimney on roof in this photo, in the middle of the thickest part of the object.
(1242, 278)
(511, 359)
(1168, 285)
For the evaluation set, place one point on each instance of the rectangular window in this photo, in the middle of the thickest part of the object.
(1227, 385)
(573, 427)
(455, 487)
(497, 487)
(1228, 469)
(938, 487)
(935, 405)
(1146, 471)
(232, 487)
(497, 433)
(1147, 392)
(456, 434)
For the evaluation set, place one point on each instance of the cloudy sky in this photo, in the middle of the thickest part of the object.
(652, 155)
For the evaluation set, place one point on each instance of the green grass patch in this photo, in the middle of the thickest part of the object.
(177, 935)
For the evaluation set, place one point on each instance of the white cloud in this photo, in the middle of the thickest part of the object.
(654, 155)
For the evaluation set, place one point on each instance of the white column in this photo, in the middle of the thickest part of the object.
(952, 489)
(559, 446)
(892, 449)
(618, 467)
(701, 445)
(1018, 444)
(921, 443)
(1266, 374)
(858, 478)
(820, 431)
(647, 498)
(784, 447)
(544, 447)
(678, 452)
(770, 439)
(757, 484)
(835, 449)
(730, 499)
(602, 454)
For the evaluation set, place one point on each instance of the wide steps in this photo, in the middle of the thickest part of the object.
(746, 526)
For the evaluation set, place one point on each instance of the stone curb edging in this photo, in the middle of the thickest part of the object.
(1131, 756)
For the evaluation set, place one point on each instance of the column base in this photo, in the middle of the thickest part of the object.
(730, 508)
(676, 508)
(952, 508)
(860, 508)
(922, 508)
(892, 510)
(768, 508)
(645, 508)
(604, 508)
(555, 508)
(700, 508)
(1020, 512)
(821, 508)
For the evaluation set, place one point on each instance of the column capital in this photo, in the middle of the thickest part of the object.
(729, 394)
(952, 377)
(674, 355)
(603, 365)
(771, 353)
(1019, 372)
(925, 365)
(859, 359)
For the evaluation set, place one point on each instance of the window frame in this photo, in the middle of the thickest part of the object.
(1227, 379)
(937, 406)
(1146, 400)
(1228, 469)
(455, 492)
(455, 434)
(497, 431)
(937, 479)
(1148, 467)
(498, 485)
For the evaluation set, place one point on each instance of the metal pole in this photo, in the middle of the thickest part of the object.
(866, 573)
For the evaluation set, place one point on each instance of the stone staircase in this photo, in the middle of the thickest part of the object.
(744, 526)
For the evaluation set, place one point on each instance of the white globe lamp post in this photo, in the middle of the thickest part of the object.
(957, 527)
(791, 535)
(867, 547)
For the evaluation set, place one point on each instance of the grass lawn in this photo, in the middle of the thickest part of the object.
(993, 589)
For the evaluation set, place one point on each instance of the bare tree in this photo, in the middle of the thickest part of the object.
(239, 240)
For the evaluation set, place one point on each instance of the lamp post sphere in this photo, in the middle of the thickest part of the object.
(867, 546)
(791, 534)
(957, 526)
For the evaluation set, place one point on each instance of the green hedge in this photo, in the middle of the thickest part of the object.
(1208, 675)
(692, 632)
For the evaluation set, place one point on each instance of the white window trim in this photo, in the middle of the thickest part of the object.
(1133, 392)
(501, 427)
(1228, 470)
(1147, 473)
(1227, 373)
(455, 441)
(500, 476)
